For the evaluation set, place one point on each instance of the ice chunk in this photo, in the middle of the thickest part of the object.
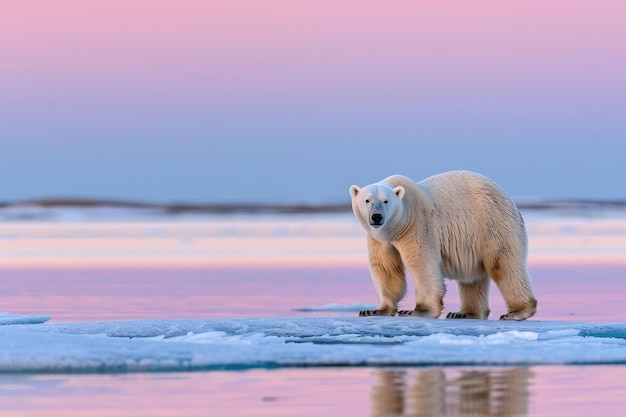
(7, 318)
(336, 307)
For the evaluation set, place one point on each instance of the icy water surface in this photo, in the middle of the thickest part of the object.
(277, 334)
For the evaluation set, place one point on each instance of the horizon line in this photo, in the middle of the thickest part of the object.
(278, 207)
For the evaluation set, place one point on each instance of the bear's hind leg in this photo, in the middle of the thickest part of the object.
(474, 300)
(516, 289)
(387, 272)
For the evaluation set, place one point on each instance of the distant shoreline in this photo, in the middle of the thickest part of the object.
(276, 208)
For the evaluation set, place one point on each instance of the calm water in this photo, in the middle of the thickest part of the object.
(536, 391)
(585, 292)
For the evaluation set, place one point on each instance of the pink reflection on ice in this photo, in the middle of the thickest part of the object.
(585, 292)
(130, 293)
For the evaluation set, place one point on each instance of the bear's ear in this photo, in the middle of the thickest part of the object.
(399, 190)
(354, 190)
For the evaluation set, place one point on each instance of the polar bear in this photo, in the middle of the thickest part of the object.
(459, 225)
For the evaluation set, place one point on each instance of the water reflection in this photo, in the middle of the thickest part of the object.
(451, 392)
(557, 391)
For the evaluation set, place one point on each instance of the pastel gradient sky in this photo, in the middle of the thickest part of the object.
(220, 101)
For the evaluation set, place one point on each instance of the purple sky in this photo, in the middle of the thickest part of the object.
(292, 101)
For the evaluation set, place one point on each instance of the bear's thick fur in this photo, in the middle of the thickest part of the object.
(459, 225)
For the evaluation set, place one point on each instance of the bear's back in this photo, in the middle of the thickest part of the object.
(459, 191)
(475, 218)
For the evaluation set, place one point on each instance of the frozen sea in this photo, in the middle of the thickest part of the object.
(108, 311)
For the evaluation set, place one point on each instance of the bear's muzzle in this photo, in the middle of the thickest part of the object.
(376, 220)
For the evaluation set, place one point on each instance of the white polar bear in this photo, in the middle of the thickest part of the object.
(459, 225)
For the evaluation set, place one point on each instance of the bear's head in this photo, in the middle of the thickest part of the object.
(376, 205)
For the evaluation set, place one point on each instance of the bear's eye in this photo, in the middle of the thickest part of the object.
(367, 201)
(385, 202)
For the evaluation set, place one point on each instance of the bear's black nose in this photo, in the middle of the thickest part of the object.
(377, 218)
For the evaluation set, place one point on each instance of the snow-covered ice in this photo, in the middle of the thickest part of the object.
(243, 343)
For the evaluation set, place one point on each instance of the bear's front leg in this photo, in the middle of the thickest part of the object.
(420, 311)
(428, 279)
(387, 273)
(377, 312)
(474, 300)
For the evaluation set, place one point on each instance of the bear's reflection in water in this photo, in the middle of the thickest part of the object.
(451, 392)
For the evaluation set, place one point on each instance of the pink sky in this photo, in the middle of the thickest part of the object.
(127, 41)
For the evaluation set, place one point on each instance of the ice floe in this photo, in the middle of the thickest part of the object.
(243, 343)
